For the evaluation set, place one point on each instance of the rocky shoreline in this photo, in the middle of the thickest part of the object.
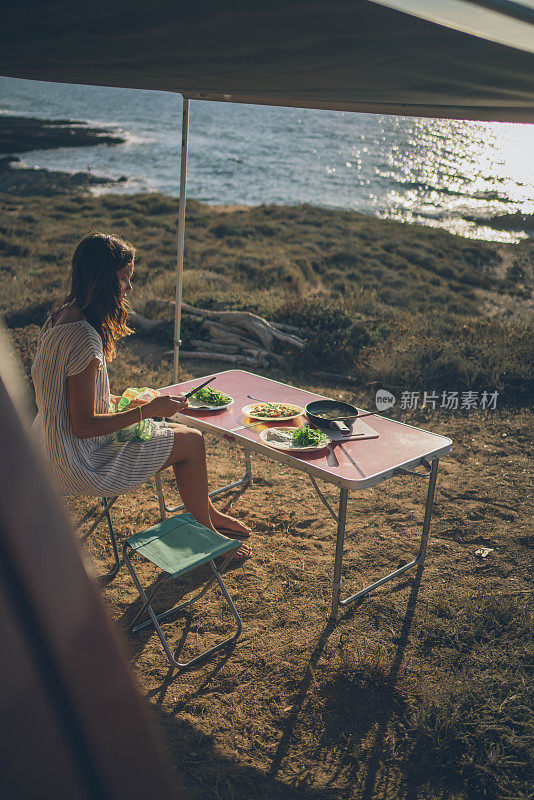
(25, 181)
(24, 134)
(20, 135)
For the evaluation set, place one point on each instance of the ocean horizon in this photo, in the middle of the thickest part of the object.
(451, 174)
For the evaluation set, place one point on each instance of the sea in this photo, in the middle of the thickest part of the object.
(456, 175)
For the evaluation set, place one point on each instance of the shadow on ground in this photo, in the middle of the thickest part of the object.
(362, 699)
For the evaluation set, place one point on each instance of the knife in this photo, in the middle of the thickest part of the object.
(242, 427)
(197, 388)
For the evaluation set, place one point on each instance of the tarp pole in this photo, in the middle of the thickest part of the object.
(181, 232)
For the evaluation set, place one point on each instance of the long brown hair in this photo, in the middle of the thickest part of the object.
(95, 289)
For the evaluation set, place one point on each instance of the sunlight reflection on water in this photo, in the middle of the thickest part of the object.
(450, 174)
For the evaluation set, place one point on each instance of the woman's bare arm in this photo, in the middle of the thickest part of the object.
(86, 424)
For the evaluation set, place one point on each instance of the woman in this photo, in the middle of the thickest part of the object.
(73, 398)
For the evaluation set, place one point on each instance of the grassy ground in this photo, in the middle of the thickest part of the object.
(390, 304)
(422, 691)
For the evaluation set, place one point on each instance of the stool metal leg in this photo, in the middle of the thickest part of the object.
(156, 619)
(107, 503)
(172, 610)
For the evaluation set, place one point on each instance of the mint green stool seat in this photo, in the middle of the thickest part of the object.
(178, 545)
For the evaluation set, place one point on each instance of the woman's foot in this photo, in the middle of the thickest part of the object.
(229, 526)
(238, 556)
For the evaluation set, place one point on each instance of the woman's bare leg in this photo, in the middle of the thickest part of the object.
(188, 460)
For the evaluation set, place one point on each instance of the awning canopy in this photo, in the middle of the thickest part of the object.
(468, 60)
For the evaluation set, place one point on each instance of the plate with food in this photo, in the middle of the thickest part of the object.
(295, 439)
(208, 399)
(273, 412)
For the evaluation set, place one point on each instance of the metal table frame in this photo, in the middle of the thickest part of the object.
(419, 558)
(245, 482)
(430, 466)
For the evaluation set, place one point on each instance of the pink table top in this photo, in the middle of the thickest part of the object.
(359, 463)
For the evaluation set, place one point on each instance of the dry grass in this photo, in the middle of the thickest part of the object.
(428, 295)
(422, 691)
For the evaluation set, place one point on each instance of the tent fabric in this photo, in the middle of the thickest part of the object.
(352, 55)
(496, 20)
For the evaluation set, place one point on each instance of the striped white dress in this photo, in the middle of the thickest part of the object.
(100, 466)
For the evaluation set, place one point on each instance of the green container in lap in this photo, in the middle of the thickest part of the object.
(141, 431)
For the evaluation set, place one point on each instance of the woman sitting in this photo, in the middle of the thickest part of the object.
(73, 398)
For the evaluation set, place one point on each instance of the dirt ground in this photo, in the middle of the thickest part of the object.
(305, 709)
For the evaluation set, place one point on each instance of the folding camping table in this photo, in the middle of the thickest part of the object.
(399, 450)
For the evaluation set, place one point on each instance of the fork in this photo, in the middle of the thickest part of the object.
(260, 401)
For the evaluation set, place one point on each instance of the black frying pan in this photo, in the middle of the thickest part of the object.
(340, 414)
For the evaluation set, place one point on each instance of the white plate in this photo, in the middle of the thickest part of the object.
(198, 405)
(248, 410)
(281, 439)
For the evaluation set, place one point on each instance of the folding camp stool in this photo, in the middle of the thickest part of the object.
(178, 545)
(106, 503)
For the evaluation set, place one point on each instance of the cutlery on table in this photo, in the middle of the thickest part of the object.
(250, 425)
(198, 388)
(331, 458)
(266, 402)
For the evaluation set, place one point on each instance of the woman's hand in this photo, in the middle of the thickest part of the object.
(86, 424)
(136, 402)
(164, 406)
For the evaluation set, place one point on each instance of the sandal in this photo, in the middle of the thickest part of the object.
(231, 533)
(239, 557)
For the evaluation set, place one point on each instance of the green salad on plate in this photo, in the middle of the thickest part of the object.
(211, 397)
(307, 437)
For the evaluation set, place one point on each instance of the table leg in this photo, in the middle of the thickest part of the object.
(247, 478)
(245, 482)
(340, 541)
(420, 557)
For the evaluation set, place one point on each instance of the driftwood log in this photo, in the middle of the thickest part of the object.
(142, 323)
(235, 337)
(252, 324)
(197, 355)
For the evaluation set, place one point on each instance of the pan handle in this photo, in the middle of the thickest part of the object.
(337, 425)
(402, 471)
